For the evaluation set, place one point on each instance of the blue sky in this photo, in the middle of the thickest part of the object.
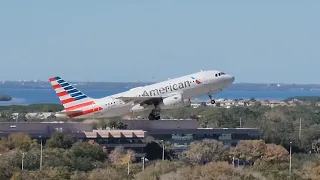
(269, 41)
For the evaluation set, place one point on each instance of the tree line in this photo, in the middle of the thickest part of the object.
(64, 158)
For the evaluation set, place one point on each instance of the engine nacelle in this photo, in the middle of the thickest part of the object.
(174, 102)
(171, 102)
(139, 108)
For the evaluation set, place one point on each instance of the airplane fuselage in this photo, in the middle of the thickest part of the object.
(185, 88)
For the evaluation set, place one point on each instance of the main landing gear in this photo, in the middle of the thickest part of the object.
(155, 114)
(212, 100)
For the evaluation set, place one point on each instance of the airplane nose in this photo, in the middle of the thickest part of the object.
(230, 79)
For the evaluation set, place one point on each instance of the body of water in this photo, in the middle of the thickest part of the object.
(39, 96)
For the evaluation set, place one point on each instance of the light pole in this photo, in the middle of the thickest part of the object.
(40, 152)
(290, 158)
(22, 161)
(142, 163)
(162, 149)
(233, 161)
(129, 164)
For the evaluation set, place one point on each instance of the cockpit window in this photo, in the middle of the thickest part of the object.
(219, 74)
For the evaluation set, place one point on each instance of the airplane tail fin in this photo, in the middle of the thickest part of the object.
(71, 98)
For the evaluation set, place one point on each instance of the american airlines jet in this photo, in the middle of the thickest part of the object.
(169, 94)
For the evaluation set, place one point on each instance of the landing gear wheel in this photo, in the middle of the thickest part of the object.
(213, 101)
(151, 117)
(154, 115)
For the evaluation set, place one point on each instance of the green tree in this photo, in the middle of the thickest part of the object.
(83, 155)
(108, 173)
(249, 150)
(316, 146)
(21, 141)
(311, 170)
(155, 170)
(61, 173)
(120, 156)
(78, 175)
(59, 140)
(4, 145)
(212, 170)
(275, 154)
(207, 150)
(32, 159)
(117, 125)
(55, 157)
(10, 162)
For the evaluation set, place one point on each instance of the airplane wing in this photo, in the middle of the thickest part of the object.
(142, 100)
(145, 99)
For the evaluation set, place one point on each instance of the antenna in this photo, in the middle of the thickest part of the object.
(200, 70)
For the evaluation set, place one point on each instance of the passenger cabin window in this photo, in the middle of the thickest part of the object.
(216, 75)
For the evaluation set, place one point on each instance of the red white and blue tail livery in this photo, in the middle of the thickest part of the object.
(169, 94)
(75, 102)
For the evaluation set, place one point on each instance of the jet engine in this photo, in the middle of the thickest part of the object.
(138, 108)
(174, 102)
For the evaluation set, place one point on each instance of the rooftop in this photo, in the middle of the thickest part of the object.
(161, 124)
(136, 128)
(116, 134)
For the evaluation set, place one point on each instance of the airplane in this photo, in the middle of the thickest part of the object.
(169, 94)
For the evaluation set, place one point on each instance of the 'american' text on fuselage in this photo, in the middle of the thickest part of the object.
(166, 89)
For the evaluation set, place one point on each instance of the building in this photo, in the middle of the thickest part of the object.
(181, 138)
(180, 133)
(130, 139)
(110, 139)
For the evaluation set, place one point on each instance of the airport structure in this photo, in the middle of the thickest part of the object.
(180, 133)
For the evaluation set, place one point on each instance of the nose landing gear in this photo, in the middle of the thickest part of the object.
(212, 100)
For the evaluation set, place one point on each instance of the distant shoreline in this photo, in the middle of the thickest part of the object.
(124, 89)
(126, 86)
(302, 99)
(38, 93)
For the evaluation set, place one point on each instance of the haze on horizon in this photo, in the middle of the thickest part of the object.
(125, 41)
